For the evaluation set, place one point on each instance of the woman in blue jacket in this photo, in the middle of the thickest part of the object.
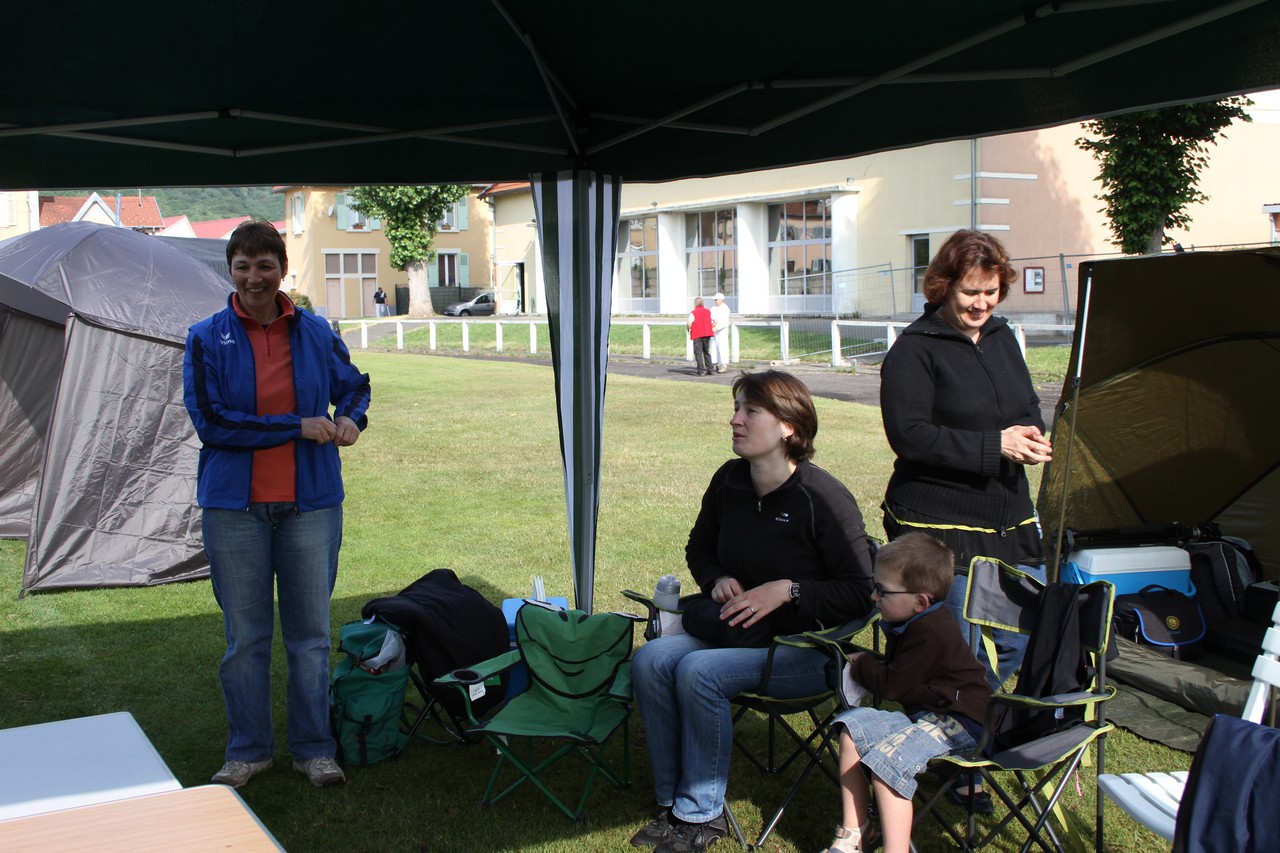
(259, 378)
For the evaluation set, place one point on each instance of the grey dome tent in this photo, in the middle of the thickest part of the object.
(98, 465)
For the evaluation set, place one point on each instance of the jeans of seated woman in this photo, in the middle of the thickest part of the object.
(1010, 645)
(682, 687)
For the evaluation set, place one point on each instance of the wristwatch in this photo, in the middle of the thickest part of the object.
(795, 592)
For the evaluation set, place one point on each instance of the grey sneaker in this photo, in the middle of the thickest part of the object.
(238, 773)
(655, 831)
(692, 837)
(322, 772)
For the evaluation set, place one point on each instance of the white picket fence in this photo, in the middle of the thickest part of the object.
(873, 337)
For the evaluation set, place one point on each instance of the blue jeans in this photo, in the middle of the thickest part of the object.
(251, 553)
(1010, 645)
(682, 688)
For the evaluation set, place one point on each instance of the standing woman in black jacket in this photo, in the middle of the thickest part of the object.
(963, 418)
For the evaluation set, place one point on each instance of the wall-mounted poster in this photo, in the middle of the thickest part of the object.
(1033, 280)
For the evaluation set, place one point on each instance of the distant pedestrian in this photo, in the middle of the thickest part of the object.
(380, 302)
(720, 325)
(700, 332)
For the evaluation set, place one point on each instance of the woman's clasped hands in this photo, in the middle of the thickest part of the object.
(1025, 445)
(743, 608)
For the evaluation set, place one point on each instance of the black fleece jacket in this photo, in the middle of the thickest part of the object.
(944, 400)
(808, 530)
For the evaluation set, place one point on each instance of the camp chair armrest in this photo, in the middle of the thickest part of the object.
(1059, 700)
(483, 670)
(653, 627)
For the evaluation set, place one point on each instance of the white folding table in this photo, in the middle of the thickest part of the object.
(79, 762)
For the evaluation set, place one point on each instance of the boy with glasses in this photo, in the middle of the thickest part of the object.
(930, 670)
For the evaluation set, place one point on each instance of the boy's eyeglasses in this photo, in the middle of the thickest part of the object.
(882, 592)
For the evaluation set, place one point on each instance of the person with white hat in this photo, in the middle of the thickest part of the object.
(720, 326)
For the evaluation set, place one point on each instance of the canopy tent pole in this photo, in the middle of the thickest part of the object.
(577, 213)
(1075, 407)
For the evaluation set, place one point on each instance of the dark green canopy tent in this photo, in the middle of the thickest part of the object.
(234, 93)
(1168, 413)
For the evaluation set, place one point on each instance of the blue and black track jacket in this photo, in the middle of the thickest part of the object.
(220, 392)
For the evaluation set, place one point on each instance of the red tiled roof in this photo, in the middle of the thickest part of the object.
(135, 212)
(217, 229)
(503, 187)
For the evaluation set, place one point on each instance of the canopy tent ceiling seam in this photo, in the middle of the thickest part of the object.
(549, 78)
(560, 95)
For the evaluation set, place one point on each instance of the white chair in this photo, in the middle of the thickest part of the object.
(1152, 799)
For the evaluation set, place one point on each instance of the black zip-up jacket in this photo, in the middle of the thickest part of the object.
(808, 530)
(944, 400)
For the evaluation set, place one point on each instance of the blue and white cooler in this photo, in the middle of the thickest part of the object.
(1131, 569)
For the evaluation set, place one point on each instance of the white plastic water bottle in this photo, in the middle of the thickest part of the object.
(666, 597)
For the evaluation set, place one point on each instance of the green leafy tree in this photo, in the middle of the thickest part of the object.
(411, 219)
(301, 299)
(1151, 162)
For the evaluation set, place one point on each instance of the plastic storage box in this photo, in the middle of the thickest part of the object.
(1131, 569)
(510, 607)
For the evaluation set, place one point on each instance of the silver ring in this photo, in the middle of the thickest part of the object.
(753, 610)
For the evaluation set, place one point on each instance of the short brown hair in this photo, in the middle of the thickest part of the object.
(964, 251)
(255, 237)
(922, 563)
(787, 399)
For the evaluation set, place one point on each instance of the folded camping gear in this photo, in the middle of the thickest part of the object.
(1164, 619)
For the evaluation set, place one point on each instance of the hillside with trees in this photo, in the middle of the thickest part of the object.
(204, 204)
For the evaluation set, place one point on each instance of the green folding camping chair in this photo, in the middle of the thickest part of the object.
(578, 695)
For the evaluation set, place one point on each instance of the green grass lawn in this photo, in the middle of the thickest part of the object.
(460, 467)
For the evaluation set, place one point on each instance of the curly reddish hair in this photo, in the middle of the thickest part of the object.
(963, 252)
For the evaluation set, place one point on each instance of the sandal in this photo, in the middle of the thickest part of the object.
(859, 840)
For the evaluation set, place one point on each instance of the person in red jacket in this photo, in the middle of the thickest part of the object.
(700, 333)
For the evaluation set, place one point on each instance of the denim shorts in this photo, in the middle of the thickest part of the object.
(897, 749)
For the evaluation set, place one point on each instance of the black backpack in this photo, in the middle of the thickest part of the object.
(1222, 570)
(1054, 662)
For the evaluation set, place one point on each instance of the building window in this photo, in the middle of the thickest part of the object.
(711, 250)
(455, 218)
(800, 248)
(350, 279)
(296, 213)
(919, 261)
(449, 269)
(350, 219)
(637, 265)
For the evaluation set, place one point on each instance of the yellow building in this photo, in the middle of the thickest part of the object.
(339, 257)
(854, 236)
